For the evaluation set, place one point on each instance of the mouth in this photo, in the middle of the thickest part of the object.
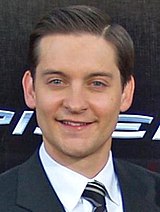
(75, 124)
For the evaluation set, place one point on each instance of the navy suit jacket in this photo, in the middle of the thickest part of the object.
(26, 188)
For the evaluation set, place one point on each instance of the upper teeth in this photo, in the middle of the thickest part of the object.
(74, 123)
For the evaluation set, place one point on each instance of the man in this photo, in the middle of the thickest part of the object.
(80, 79)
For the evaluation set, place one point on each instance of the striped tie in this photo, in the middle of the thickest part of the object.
(95, 193)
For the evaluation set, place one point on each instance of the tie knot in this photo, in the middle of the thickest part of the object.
(95, 193)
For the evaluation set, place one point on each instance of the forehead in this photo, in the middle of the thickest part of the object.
(81, 50)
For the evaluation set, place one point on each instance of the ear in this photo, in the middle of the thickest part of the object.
(127, 95)
(28, 88)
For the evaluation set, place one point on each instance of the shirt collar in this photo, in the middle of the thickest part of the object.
(74, 183)
(109, 179)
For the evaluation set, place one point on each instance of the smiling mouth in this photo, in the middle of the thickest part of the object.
(74, 123)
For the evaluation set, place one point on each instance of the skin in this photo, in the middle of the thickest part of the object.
(77, 94)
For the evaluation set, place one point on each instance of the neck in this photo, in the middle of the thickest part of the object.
(89, 165)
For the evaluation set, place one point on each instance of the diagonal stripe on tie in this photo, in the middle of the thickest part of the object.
(95, 193)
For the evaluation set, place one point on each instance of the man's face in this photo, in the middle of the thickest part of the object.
(77, 94)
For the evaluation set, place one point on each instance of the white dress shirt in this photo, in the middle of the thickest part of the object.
(70, 185)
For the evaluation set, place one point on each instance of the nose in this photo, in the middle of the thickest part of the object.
(75, 101)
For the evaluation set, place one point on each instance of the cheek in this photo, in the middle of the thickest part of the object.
(46, 101)
(107, 109)
(107, 103)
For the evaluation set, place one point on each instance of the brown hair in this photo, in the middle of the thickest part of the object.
(84, 19)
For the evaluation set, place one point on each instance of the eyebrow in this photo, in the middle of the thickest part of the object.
(95, 74)
(51, 72)
(100, 73)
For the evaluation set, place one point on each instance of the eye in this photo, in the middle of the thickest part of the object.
(56, 82)
(98, 83)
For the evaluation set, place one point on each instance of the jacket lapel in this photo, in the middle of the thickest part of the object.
(138, 190)
(35, 192)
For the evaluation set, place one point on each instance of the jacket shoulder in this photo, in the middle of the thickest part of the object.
(8, 187)
(135, 170)
(140, 187)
